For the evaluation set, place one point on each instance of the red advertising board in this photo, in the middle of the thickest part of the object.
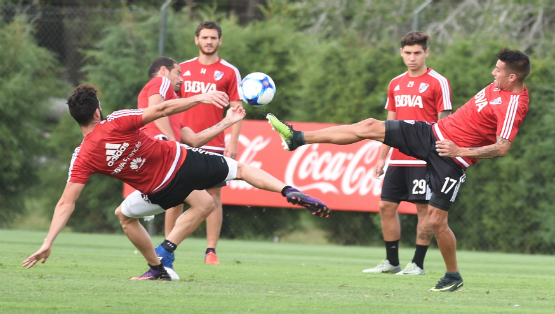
(339, 175)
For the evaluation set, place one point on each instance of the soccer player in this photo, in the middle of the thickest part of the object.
(164, 173)
(418, 94)
(484, 127)
(209, 72)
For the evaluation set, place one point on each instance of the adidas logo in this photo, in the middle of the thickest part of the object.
(397, 88)
(188, 73)
(114, 152)
(496, 101)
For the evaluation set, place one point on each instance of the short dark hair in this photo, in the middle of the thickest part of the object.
(153, 69)
(209, 25)
(516, 62)
(83, 103)
(415, 38)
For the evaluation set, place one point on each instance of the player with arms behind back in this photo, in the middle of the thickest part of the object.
(419, 94)
(208, 72)
(484, 127)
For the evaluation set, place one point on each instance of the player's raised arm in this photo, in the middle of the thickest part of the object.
(193, 139)
(167, 108)
(63, 211)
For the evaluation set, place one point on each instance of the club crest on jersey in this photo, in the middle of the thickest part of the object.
(397, 88)
(411, 84)
(423, 87)
(496, 101)
(188, 73)
(218, 75)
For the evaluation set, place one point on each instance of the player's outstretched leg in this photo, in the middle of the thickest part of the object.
(341, 135)
(263, 180)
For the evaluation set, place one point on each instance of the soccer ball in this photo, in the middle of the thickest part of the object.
(257, 89)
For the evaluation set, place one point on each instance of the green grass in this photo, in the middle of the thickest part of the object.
(88, 273)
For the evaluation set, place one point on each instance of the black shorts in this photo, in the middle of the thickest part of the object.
(416, 139)
(405, 184)
(200, 170)
(223, 183)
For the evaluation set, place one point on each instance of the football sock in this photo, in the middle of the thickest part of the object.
(157, 268)
(392, 251)
(298, 137)
(454, 275)
(284, 190)
(208, 250)
(169, 246)
(419, 255)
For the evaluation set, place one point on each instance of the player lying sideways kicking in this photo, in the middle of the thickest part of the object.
(164, 173)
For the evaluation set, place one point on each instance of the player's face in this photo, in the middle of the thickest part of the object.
(208, 41)
(414, 57)
(175, 77)
(502, 77)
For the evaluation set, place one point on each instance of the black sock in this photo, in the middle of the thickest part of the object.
(455, 275)
(392, 251)
(285, 189)
(157, 267)
(298, 137)
(169, 246)
(210, 249)
(419, 255)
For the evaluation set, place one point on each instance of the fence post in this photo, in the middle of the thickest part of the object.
(163, 19)
(416, 15)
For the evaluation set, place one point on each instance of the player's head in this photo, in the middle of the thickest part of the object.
(168, 68)
(512, 66)
(208, 37)
(414, 49)
(83, 104)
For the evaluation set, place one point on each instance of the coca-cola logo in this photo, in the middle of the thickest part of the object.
(338, 173)
(252, 147)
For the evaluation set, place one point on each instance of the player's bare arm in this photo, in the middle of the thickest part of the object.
(163, 124)
(447, 148)
(231, 148)
(384, 150)
(443, 114)
(63, 211)
(234, 115)
(169, 107)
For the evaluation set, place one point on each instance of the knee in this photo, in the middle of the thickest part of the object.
(207, 207)
(436, 223)
(368, 126)
(124, 220)
(388, 209)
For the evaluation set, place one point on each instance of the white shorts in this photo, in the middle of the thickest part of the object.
(134, 206)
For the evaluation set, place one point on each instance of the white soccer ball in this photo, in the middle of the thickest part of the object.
(257, 89)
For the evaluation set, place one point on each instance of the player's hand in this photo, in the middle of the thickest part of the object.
(235, 114)
(43, 253)
(216, 98)
(231, 151)
(447, 148)
(378, 169)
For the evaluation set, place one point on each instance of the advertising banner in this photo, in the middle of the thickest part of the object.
(339, 175)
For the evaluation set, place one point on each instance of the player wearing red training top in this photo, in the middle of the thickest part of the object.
(419, 94)
(208, 72)
(164, 173)
(484, 127)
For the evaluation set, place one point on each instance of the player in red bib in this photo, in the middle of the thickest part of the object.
(419, 94)
(208, 72)
(164, 173)
(484, 127)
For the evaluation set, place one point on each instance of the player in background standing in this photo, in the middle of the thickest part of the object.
(484, 127)
(419, 94)
(208, 72)
(165, 81)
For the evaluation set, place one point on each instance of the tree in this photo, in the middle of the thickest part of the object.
(28, 76)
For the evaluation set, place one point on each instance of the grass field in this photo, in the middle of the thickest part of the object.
(88, 273)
